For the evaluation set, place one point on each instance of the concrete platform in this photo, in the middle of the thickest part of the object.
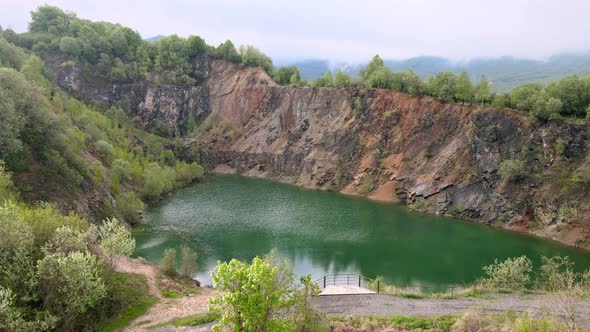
(345, 290)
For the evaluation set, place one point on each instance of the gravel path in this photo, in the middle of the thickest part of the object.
(387, 305)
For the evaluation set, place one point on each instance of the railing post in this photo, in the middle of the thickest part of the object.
(324, 281)
(452, 292)
(347, 279)
(359, 280)
(378, 286)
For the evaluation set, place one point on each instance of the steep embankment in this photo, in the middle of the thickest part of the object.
(436, 157)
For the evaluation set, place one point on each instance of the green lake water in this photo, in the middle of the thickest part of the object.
(324, 233)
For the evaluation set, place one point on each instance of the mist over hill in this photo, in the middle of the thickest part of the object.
(506, 72)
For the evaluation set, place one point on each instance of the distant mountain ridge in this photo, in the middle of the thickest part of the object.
(505, 72)
(154, 38)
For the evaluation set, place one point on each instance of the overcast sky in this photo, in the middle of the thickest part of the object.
(348, 30)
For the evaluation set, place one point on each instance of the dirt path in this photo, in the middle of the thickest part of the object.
(140, 266)
(166, 309)
(386, 305)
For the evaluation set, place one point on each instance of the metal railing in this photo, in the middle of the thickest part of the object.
(376, 285)
(348, 279)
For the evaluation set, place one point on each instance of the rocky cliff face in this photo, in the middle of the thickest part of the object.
(161, 108)
(434, 156)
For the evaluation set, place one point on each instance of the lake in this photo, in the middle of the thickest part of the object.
(321, 233)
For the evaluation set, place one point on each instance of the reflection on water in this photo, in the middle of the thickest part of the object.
(321, 232)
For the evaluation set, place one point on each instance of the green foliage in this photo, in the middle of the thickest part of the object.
(115, 239)
(443, 86)
(188, 266)
(129, 207)
(16, 253)
(253, 57)
(227, 51)
(342, 79)
(380, 78)
(192, 320)
(464, 88)
(511, 274)
(325, 81)
(65, 240)
(168, 265)
(560, 147)
(288, 75)
(483, 90)
(61, 276)
(546, 107)
(513, 170)
(253, 296)
(8, 191)
(306, 317)
(525, 96)
(158, 180)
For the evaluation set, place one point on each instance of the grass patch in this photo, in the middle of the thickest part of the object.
(373, 323)
(414, 296)
(192, 320)
(127, 299)
(169, 294)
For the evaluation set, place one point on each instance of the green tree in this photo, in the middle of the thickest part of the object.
(227, 51)
(525, 96)
(342, 79)
(50, 19)
(70, 46)
(169, 262)
(17, 268)
(115, 240)
(483, 90)
(71, 286)
(8, 191)
(376, 63)
(287, 75)
(129, 207)
(546, 107)
(443, 85)
(464, 88)
(253, 57)
(325, 81)
(412, 83)
(380, 78)
(66, 240)
(574, 94)
(196, 46)
(253, 297)
(188, 265)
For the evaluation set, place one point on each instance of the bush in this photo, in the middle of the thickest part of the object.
(129, 207)
(71, 286)
(513, 170)
(169, 262)
(253, 296)
(115, 240)
(188, 266)
(511, 274)
(66, 240)
(104, 149)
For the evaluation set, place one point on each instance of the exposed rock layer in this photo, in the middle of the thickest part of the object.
(434, 156)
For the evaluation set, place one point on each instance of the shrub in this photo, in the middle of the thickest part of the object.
(158, 180)
(169, 262)
(252, 296)
(104, 149)
(66, 240)
(115, 239)
(129, 207)
(70, 286)
(512, 274)
(560, 147)
(188, 266)
(513, 170)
